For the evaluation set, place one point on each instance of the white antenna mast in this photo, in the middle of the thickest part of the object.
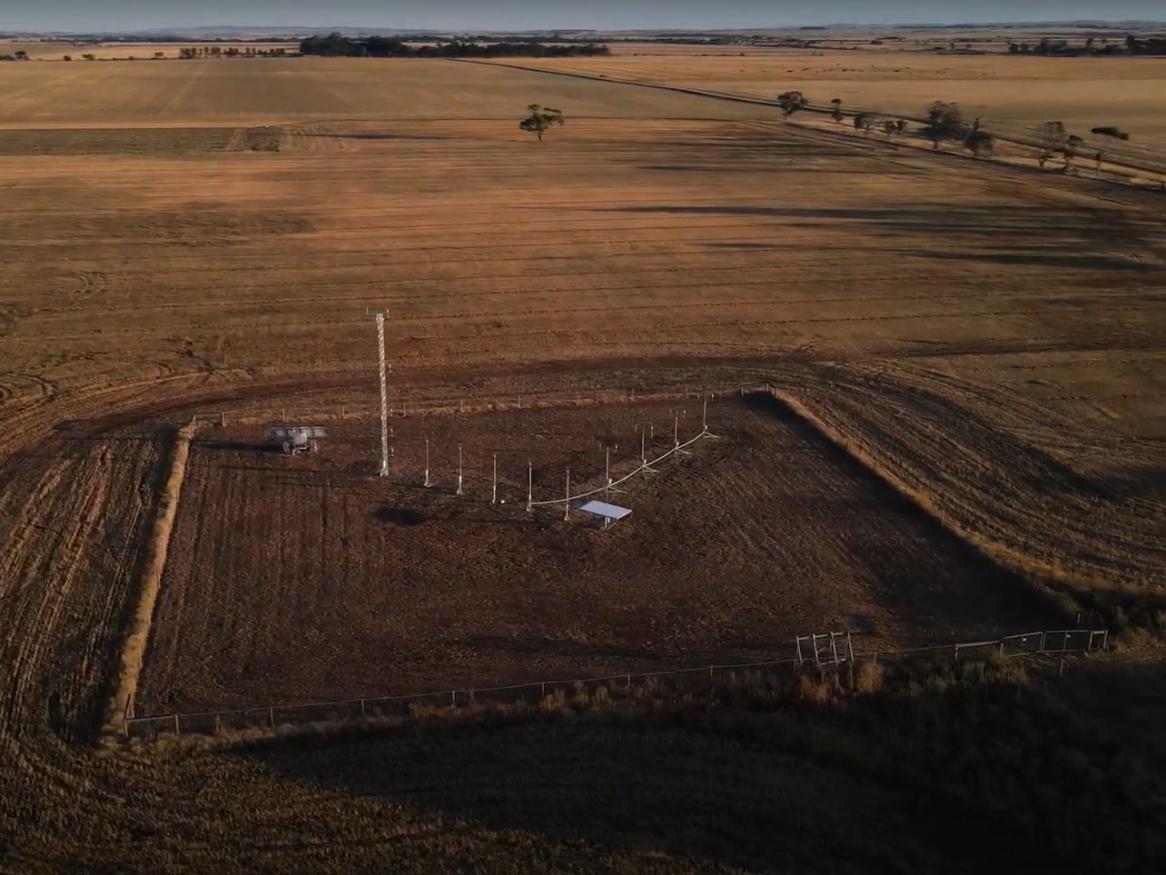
(380, 317)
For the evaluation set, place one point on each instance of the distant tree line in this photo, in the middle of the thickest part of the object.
(188, 52)
(339, 46)
(1153, 45)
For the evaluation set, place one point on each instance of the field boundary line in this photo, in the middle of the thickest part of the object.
(133, 651)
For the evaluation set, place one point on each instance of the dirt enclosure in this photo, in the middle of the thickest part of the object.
(309, 578)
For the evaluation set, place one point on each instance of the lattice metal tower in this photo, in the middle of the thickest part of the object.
(380, 317)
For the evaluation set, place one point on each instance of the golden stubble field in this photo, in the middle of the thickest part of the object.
(990, 339)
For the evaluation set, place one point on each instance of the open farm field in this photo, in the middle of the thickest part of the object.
(222, 92)
(293, 580)
(1018, 92)
(182, 238)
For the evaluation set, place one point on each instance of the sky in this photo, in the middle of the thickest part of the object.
(462, 15)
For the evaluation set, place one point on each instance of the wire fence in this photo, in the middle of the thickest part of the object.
(645, 466)
(819, 654)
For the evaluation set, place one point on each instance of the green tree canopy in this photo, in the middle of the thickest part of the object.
(541, 119)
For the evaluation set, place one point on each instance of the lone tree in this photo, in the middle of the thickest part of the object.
(979, 142)
(837, 113)
(944, 122)
(791, 102)
(1052, 138)
(540, 120)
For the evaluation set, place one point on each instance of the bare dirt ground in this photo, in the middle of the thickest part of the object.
(295, 580)
(991, 336)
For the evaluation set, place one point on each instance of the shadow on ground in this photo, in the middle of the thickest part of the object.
(953, 773)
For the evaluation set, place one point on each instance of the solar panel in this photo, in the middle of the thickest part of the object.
(296, 433)
(605, 510)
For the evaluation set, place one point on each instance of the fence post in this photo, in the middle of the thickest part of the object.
(271, 717)
(363, 713)
(177, 730)
(1042, 643)
(453, 698)
(850, 647)
(956, 656)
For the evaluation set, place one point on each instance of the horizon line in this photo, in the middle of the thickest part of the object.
(1094, 22)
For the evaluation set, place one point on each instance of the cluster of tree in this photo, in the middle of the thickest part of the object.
(791, 102)
(945, 121)
(337, 45)
(1154, 45)
(16, 56)
(228, 52)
